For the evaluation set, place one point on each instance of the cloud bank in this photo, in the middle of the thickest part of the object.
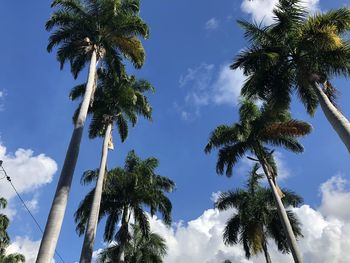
(326, 233)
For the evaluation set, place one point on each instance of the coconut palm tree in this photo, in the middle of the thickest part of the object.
(117, 101)
(256, 218)
(127, 192)
(256, 130)
(298, 53)
(95, 32)
(5, 239)
(140, 249)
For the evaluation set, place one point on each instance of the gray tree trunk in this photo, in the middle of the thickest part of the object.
(266, 253)
(125, 222)
(338, 121)
(292, 242)
(59, 204)
(90, 234)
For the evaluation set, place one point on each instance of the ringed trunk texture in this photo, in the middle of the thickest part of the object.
(90, 234)
(266, 253)
(338, 121)
(59, 204)
(292, 242)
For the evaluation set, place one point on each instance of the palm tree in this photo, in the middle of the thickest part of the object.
(256, 130)
(126, 192)
(95, 32)
(140, 249)
(5, 239)
(256, 218)
(298, 53)
(117, 101)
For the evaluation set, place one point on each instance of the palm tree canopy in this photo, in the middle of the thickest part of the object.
(133, 187)
(256, 218)
(117, 100)
(257, 129)
(293, 53)
(141, 249)
(111, 28)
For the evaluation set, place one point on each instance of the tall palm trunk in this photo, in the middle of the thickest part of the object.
(338, 121)
(266, 252)
(90, 234)
(125, 224)
(59, 204)
(292, 242)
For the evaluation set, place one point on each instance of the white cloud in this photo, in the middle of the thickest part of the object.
(28, 173)
(261, 10)
(209, 85)
(335, 198)
(227, 88)
(212, 24)
(33, 204)
(283, 169)
(25, 246)
(326, 234)
(200, 77)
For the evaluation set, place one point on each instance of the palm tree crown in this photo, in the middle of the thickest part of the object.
(127, 191)
(140, 249)
(108, 27)
(293, 53)
(117, 100)
(256, 218)
(256, 130)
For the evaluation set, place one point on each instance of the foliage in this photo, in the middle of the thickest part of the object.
(256, 218)
(128, 191)
(293, 53)
(140, 249)
(117, 100)
(5, 239)
(111, 28)
(257, 129)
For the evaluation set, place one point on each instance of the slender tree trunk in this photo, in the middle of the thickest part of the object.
(292, 242)
(59, 204)
(266, 252)
(125, 223)
(90, 234)
(338, 121)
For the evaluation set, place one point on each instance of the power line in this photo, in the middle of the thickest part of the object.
(8, 178)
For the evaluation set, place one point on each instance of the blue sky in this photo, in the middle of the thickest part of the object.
(190, 46)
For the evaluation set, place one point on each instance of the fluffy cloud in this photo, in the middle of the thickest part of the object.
(326, 231)
(335, 197)
(27, 171)
(209, 85)
(261, 10)
(212, 24)
(227, 88)
(25, 246)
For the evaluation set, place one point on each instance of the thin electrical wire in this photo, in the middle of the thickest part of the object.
(26, 207)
